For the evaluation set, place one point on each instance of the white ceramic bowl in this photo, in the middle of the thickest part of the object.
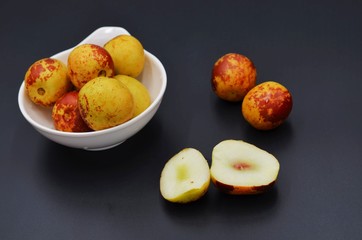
(153, 77)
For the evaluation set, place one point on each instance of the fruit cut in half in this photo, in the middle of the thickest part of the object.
(239, 167)
(185, 177)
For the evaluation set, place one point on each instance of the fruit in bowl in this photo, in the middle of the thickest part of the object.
(88, 61)
(105, 102)
(139, 92)
(46, 80)
(127, 53)
(66, 115)
(153, 77)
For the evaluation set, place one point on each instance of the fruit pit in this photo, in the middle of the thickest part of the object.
(241, 166)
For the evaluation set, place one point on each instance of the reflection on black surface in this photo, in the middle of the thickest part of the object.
(115, 180)
(274, 140)
(236, 205)
(226, 207)
(230, 124)
(226, 113)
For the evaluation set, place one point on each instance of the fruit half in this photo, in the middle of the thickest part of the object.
(239, 167)
(185, 177)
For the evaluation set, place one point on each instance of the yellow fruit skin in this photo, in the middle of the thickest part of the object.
(46, 80)
(233, 75)
(139, 92)
(267, 105)
(105, 102)
(88, 61)
(127, 54)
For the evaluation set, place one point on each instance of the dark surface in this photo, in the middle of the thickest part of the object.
(314, 48)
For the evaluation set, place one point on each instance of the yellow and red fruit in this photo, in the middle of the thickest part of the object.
(88, 61)
(233, 75)
(66, 115)
(46, 80)
(267, 105)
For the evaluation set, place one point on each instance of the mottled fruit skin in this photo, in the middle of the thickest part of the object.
(46, 80)
(233, 75)
(128, 55)
(141, 96)
(88, 61)
(267, 105)
(105, 102)
(240, 190)
(66, 115)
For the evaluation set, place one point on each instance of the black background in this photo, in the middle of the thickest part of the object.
(314, 48)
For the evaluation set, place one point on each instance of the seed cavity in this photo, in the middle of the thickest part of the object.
(182, 172)
(241, 166)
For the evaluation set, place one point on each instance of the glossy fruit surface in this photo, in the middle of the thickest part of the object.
(66, 115)
(46, 80)
(233, 75)
(267, 105)
(105, 102)
(141, 96)
(128, 55)
(88, 61)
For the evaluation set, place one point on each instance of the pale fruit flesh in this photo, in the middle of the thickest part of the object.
(141, 96)
(239, 167)
(185, 177)
(105, 102)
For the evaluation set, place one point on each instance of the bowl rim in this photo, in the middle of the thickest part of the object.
(154, 104)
